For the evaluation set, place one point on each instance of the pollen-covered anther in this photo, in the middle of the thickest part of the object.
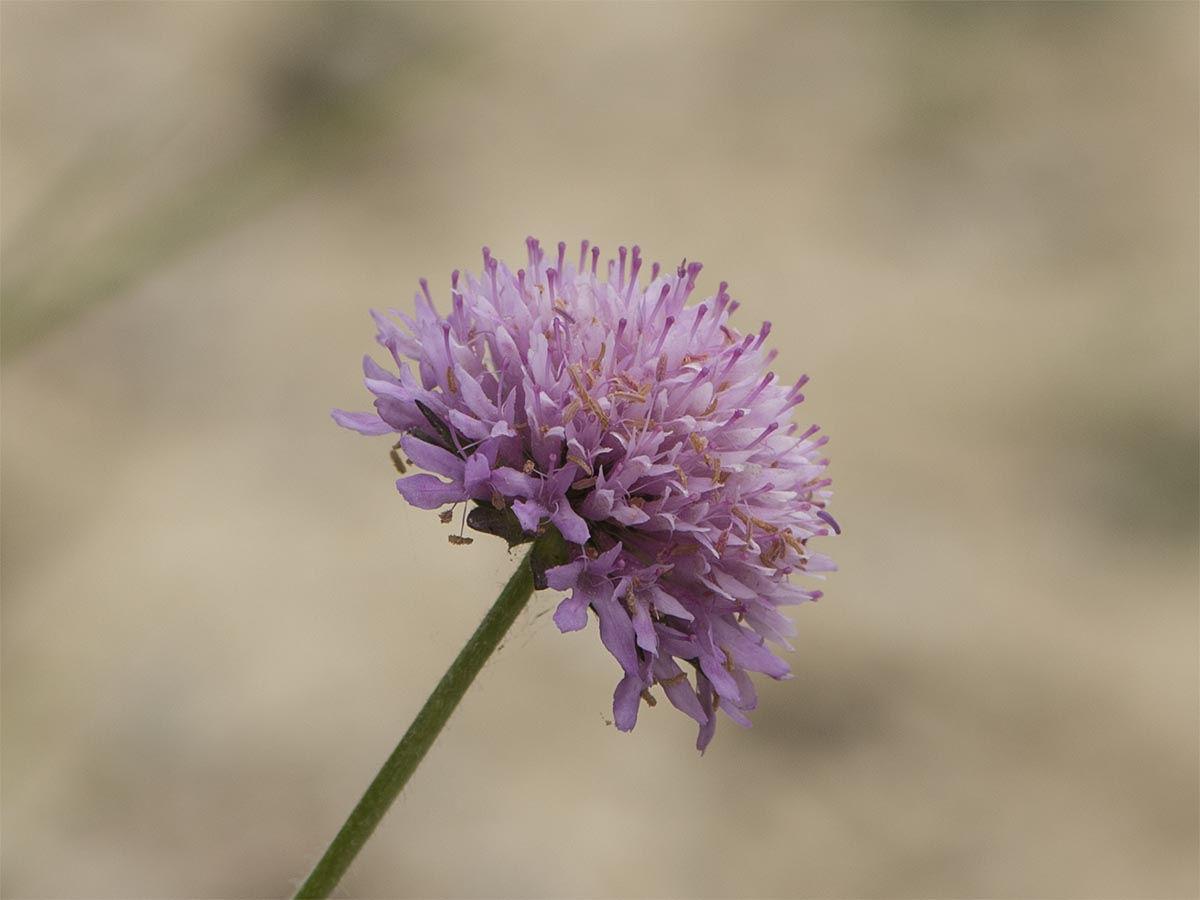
(599, 360)
(581, 462)
(572, 408)
(445, 516)
(714, 463)
(629, 384)
(683, 479)
(722, 542)
(649, 698)
(575, 374)
(765, 526)
(596, 409)
(776, 549)
(451, 381)
(747, 520)
(459, 540)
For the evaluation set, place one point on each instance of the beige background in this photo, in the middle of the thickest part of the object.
(975, 226)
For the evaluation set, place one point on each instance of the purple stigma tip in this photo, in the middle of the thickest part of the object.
(821, 514)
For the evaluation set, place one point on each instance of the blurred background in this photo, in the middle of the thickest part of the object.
(975, 226)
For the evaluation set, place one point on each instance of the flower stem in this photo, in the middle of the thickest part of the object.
(420, 736)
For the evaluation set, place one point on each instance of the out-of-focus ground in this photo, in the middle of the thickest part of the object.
(975, 226)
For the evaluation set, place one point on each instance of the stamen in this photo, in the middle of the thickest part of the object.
(581, 462)
(595, 408)
(747, 521)
(572, 408)
(715, 465)
(576, 380)
(722, 542)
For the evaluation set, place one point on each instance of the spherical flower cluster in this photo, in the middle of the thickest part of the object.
(556, 400)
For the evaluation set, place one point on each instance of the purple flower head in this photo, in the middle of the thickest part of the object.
(559, 400)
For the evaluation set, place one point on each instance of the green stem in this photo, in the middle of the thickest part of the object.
(420, 736)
